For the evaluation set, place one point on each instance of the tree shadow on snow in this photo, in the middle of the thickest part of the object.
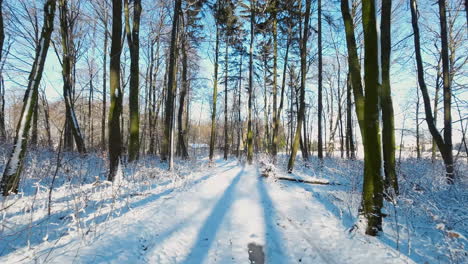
(274, 238)
(208, 231)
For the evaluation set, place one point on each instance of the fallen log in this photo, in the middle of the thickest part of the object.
(307, 181)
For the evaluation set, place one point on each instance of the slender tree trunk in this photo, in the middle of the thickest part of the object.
(354, 66)
(226, 79)
(372, 195)
(250, 90)
(386, 103)
(436, 105)
(2, 86)
(181, 148)
(239, 103)
(320, 106)
(116, 96)
(215, 97)
(13, 167)
(418, 144)
(349, 122)
(301, 110)
(276, 117)
(444, 148)
(104, 81)
(133, 40)
(167, 148)
(447, 93)
(67, 44)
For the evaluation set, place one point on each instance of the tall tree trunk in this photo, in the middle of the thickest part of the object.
(13, 167)
(436, 105)
(320, 79)
(116, 96)
(133, 40)
(444, 148)
(239, 103)
(276, 117)
(354, 66)
(90, 108)
(418, 144)
(447, 93)
(104, 80)
(250, 89)
(168, 141)
(301, 110)
(277, 120)
(181, 147)
(215, 97)
(372, 195)
(386, 103)
(2, 86)
(226, 80)
(67, 61)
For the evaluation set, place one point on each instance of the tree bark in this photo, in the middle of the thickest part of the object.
(116, 96)
(70, 119)
(215, 97)
(386, 103)
(250, 89)
(13, 167)
(181, 147)
(320, 79)
(354, 65)
(2, 86)
(350, 149)
(167, 148)
(447, 94)
(372, 195)
(226, 80)
(301, 110)
(276, 117)
(133, 40)
(104, 81)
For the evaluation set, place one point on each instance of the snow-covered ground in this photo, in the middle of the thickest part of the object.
(225, 213)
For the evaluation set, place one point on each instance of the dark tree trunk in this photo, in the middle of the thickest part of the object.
(320, 106)
(215, 97)
(133, 40)
(181, 147)
(444, 148)
(167, 148)
(372, 195)
(386, 103)
(447, 93)
(104, 88)
(116, 96)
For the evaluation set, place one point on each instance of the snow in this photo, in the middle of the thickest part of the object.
(211, 214)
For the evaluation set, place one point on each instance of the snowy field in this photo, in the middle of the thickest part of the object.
(226, 213)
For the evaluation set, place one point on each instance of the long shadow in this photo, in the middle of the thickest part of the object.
(57, 224)
(208, 231)
(348, 221)
(274, 239)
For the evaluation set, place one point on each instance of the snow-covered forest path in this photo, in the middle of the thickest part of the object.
(217, 217)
